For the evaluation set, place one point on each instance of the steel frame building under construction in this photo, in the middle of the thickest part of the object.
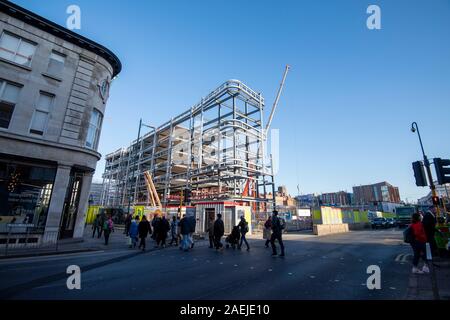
(215, 149)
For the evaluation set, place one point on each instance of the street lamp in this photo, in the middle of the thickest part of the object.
(414, 128)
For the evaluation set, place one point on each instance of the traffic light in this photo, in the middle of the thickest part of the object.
(436, 201)
(419, 174)
(442, 167)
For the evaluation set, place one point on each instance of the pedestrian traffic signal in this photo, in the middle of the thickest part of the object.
(436, 201)
(442, 167)
(419, 174)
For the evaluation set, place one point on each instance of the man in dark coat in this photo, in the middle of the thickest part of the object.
(156, 227)
(277, 231)
(429, 224)
(219, 230)
(185, 229)
(163, 228)
(127, 224)
(144, 229)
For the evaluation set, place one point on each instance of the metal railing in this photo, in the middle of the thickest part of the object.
(21, 238)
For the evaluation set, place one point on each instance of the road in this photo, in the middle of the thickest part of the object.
(329, 267)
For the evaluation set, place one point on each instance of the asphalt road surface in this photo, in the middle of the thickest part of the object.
(329, 267)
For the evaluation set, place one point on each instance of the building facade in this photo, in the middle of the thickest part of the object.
(374, 193)
(340, 198)
(54, 85)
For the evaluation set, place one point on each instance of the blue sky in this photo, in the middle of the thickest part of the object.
(349, 99)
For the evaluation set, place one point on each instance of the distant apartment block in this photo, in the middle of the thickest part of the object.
(378, 192)
(340, 198)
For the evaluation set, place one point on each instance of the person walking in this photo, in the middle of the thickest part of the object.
(127, 224)
(429, 225)
(192, 231)
(184, 230)
(243, 229)
(219, 231)
(101, 222)
(267, 232)
(108, 227)
(155, 225)
(418, 244)
(96, 226)
(277, 230)
(163, 228)
(211, 234)
(133, 232)
(144, 229)
(174, 231)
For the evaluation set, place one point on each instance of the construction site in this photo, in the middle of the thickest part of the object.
(212, 158)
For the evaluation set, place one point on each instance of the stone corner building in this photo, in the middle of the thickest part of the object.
(54, 85)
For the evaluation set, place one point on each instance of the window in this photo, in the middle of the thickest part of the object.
(16, 49)
(94, 130)
(40, 117)
(9, 93)
(56, 63)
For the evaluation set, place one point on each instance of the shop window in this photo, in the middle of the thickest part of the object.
(25, 192)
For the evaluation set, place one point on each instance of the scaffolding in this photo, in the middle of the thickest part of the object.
(216, 149)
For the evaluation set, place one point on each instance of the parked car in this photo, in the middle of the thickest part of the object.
(380, 223)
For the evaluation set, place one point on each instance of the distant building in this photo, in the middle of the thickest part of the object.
(442, 191)
(340, 198)
(374, 193)
(306, 200)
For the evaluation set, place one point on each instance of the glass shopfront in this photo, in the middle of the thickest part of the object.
(25, 192)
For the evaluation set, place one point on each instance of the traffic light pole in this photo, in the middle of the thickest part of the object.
(426, 162)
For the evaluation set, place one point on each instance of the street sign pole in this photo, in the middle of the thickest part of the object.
(426, 162)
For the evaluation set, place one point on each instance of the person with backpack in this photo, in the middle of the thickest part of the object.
(415, 235)
(144, 229)
(243, 229)
(108, 227)
(277, 230)
(134, 231)
(174, 231)
(219, 230)
(267, 232)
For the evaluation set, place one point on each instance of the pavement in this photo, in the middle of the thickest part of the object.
(420, 285)
(327, 267)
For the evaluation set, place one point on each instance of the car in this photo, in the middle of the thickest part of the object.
(392, 223)
(380, 223)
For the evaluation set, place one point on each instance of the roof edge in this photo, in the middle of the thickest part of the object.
(55, 29)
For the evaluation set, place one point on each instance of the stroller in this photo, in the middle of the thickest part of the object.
(233, 238)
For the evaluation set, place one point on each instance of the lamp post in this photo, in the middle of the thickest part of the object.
(414, 128)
